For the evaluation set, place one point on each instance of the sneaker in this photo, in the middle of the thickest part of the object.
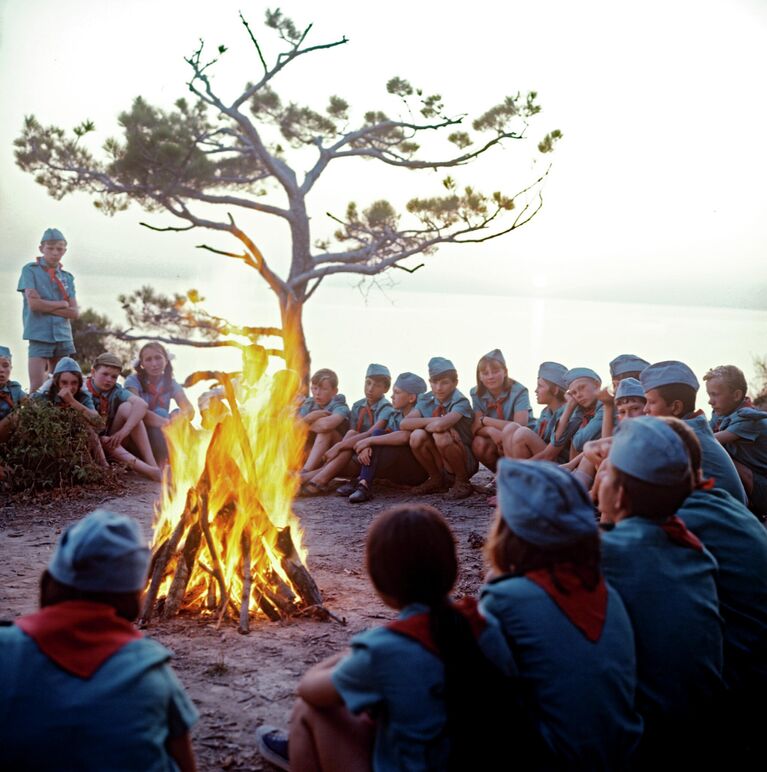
(361, 494)
(461, 490)
(272, 744)
(347, 488)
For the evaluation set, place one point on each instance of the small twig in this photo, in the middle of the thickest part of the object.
(169, 228)
(255, 43)
(409, 270)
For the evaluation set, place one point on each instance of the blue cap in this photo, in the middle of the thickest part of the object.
(5, 353)
(52, 234)
(627, 363)
(543, 504)
(668, 373)
(650, 450)
(629, 387)
(67, 365)
(553, 372)
(411, 383)
(439, 365)
(496, 356)
(580, 372)
(377, 370)
(103, 552)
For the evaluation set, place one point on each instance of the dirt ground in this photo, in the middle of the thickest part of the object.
(239, 681)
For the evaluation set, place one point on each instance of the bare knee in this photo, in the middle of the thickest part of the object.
(419, 438)
(442, 440)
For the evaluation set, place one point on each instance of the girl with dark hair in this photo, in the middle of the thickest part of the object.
(154, 383)
(569, 632)
(417, 694)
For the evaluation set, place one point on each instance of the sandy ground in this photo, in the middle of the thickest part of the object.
(241, 681)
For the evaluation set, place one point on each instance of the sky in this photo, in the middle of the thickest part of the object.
(655, 192)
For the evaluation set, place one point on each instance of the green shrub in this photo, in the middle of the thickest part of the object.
(48, 449)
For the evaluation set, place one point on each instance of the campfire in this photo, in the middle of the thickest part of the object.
(226, 542)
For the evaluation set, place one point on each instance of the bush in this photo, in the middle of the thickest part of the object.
(48, 449)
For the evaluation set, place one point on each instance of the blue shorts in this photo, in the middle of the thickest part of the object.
(56, 350)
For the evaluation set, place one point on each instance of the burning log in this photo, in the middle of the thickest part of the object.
(247, 583)
(291, 564)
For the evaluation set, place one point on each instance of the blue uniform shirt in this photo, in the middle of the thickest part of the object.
(395, 419)
(48, 328)
(589, 426)
(11, 392)
(401, 683)
(571, 682)
(510, 401)
(670, 594)
(716, 463)
(119, 718)
(738, 543)
(363, 419)
(430, 407)
(114, 398)
(158, 403)
(750, 426)
(82, 396)
(336, 406)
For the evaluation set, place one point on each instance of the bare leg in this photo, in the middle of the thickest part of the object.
(586, 472)
(525, 443)
(422, 445)
(485, 450)
(334, 468)
(124, 457)
(152, 419)
(94, 446)
(322, 443)
(329, 740)
(746, 477)
(138, 434)
(38, 369)
(507, 437)
(453, 454)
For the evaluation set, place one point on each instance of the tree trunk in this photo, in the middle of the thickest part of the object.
(294, 341)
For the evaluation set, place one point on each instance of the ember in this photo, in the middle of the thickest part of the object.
(226, 542)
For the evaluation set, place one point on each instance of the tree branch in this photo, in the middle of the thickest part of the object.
(255, 42)
(169, 228)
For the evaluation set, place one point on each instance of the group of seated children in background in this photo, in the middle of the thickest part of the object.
(126, 421)
(434, 439)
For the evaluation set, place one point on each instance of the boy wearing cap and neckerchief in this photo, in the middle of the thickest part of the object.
(80, 687)
(123, 415)
(11, 393)
(667, 581)
(49, 304)
(386, 453)
(523, 442)
(441, 433)
(670, 388)
(741, 429)
(568, 630)
(367, 415)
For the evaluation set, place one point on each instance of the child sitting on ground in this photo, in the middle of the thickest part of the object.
(80, 687)
(418, 693)
(326, 415)
(742, 430)
(583, 412)
(386, 453)
(11, 393)
(441, 433)
(123, 415)
(368, 414)
(626, 366)
(497, 400)
(153, 382)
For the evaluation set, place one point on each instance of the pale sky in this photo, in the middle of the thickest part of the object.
(656, 192)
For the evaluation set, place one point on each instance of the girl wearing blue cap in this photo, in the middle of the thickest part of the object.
(496, 400)
(568, 630)
(420, 693)
(11, 393)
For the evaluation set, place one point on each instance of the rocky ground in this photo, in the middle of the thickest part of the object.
(241, 681)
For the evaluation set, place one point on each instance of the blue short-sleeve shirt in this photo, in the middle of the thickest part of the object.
(336, 406)
(430, 407)
(114, 398)
(589, 428)
(669, 592)
(571, 682)
(161, 400)
(82, 396)
(509, 401)
(365, 416)
(122, 716)
(750, 426)
(38, 325)
(10, 396)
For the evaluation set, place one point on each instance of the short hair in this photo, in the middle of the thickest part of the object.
(381, 380)
(410, 554)
(631, 374)
(689, 438)
(731, 375)
(452, 374)
(556, 389)
(678, 391)
(52, 592)
(655, 502)
(632, 398)
(325, 374)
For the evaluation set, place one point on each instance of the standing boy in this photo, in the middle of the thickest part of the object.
(11, 393)
(742, 430)
(49, 305)
(441, 432)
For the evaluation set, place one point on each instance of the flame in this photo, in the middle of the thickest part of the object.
(241, 467)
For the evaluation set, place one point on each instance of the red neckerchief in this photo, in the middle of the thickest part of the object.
(587, 417)
(6, 397)
(498, 405)
(103, 406)
(78, 635)
(438, 411)
(678, 533)
(156, 393)
(541, 428)
(418, 628)
(585, 608)
(54, 278)
(364, 411)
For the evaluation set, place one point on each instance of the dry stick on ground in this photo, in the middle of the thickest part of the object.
(247, 580)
